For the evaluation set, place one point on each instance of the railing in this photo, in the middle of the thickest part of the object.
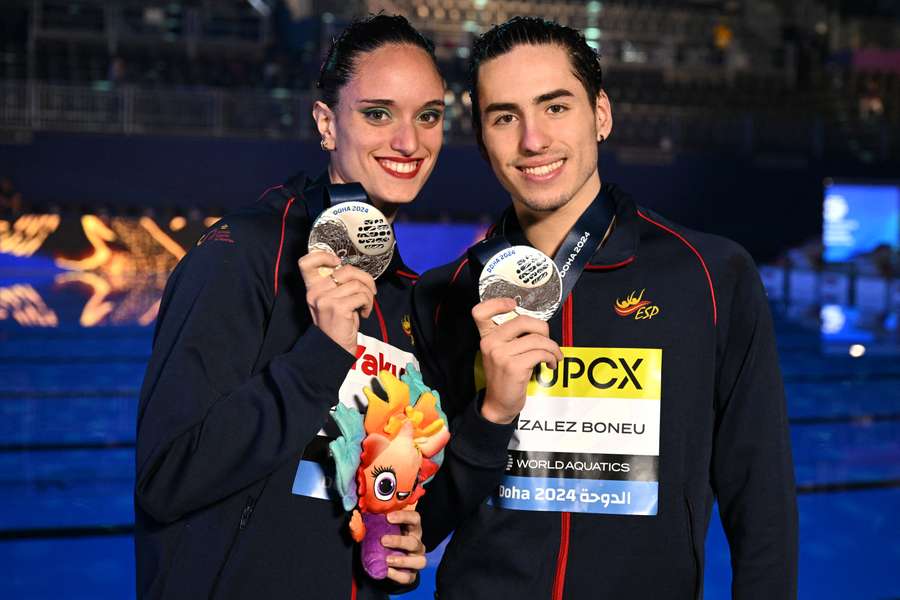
(131, 110)
(111, 21)
(286, 115)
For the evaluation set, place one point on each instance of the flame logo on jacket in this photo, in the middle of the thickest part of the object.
(631, 304)
(406, 324)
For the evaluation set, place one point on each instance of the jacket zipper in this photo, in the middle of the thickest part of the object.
(246, 513)
(559, 582)
(562, 559)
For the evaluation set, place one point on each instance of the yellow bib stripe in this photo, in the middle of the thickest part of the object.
(632, 373)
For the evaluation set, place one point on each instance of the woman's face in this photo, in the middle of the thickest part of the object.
(387, 129)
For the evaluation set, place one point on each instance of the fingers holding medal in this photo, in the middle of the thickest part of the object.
(520, 289)
(349, 246)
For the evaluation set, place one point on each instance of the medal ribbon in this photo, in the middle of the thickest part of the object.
(583, 240)
(337, 193)
(332, 193)
(576, 251)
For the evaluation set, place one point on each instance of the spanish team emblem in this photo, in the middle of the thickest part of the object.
(635, 305)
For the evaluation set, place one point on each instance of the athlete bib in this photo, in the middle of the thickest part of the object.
(587, 440)
(315, 473)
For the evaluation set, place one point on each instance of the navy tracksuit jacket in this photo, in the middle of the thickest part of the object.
(670, 397)
(238, 385)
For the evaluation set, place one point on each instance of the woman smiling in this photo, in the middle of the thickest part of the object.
(258, 339)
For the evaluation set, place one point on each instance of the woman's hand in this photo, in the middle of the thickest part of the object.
(403, 569)
(336, 296)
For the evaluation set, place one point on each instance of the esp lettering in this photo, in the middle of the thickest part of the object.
(646, 312)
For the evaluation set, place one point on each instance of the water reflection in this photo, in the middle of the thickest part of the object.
(855, 313)
(23, 304)
(857, 332)
(99, 271)
(118, 265)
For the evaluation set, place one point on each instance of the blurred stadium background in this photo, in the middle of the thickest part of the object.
(127, 128)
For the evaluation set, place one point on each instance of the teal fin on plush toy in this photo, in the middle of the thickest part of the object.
(345, 451)
(413, 380)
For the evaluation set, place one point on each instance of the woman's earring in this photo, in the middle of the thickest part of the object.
(324, 145)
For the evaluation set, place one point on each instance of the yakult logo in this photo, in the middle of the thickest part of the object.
(372, 356)
(371, 365)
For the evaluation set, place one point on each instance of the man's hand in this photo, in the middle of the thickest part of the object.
(403, 569)
(337, 296)
(510, 353)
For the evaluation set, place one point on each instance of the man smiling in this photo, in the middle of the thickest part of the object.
(659, 391)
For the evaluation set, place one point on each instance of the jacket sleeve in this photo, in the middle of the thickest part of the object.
(475, 458)
(211, 421)
(752, 471)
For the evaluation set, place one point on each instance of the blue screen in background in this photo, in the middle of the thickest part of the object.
(427, 245)
(858, 218)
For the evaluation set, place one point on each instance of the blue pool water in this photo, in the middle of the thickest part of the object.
(67, 424)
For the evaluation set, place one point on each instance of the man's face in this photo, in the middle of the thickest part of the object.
(539, 128)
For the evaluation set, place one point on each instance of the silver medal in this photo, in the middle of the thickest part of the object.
(526, 275)
(357, 233)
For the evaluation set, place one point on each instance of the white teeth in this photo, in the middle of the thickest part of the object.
(399, 167)
(544, 169)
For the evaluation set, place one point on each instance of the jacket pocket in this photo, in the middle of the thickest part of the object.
(695, 556)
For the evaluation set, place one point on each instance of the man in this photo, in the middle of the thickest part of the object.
(660, 391)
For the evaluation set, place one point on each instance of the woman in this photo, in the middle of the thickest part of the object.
(254, 347)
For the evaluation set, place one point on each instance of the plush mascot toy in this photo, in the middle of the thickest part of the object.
(384, 458)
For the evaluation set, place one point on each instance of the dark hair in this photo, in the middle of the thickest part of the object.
(520, 31)
(362, 36)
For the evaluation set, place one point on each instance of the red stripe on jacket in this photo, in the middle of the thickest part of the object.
(712, 290)
(284, 215)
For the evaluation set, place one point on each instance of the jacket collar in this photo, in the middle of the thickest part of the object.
(620, 247)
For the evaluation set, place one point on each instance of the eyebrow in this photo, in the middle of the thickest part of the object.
(376, 101)
(501, 107)
(553, 95)
(511, 106)
(389, 102)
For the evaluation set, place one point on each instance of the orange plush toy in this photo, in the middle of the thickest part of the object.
(384, 459)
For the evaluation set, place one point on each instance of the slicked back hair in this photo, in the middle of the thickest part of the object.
(533, 31)
(361, 36)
